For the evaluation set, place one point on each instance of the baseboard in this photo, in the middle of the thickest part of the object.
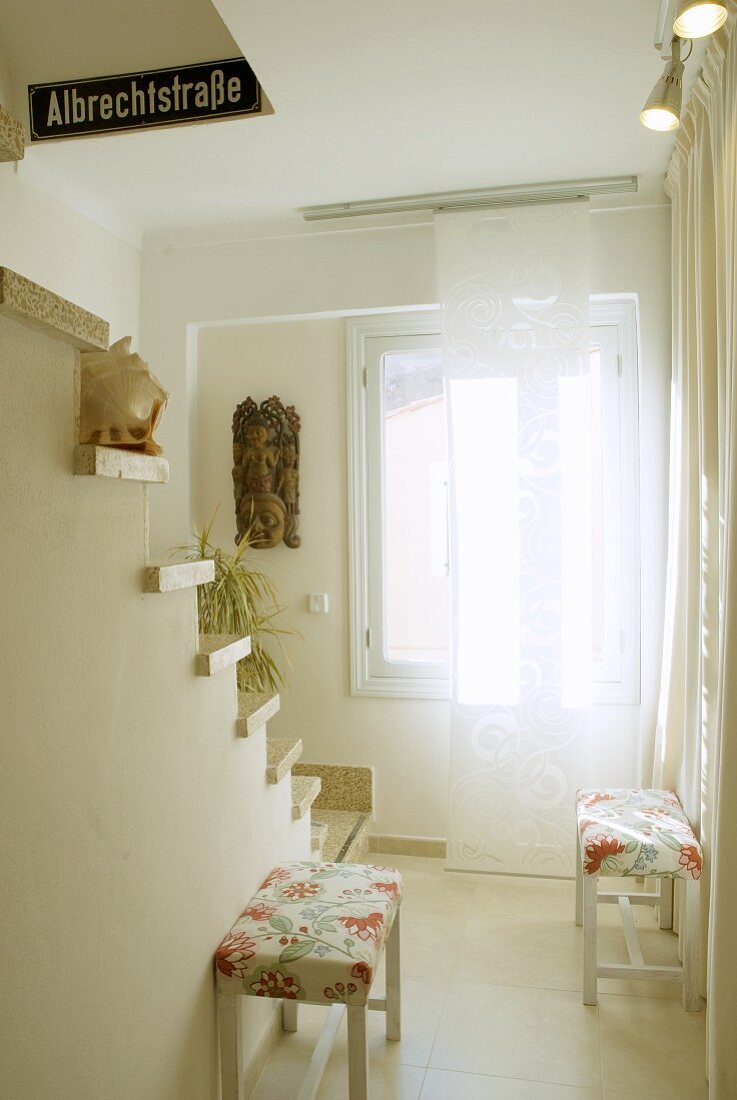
(435, 847)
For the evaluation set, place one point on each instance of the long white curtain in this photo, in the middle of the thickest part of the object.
(696, 742)
(514, 289)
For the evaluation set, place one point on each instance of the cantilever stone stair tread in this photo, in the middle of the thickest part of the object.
(218, 651)
(184, 574)
(281, 754)
(346, 808)
(305, 789)
(254, 710)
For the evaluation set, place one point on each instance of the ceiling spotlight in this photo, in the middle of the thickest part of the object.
(663, 108)
(697, 18)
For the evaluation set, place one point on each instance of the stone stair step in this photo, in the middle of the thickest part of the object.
(344, 787)
(218, 651)
(347, 839)
(92, 461)
(281, 753)
(183, 574)
(305, 789)
(254, 710)
(12, 142)
(31, 304)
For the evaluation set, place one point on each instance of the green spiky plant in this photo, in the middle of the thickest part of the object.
(241, 600)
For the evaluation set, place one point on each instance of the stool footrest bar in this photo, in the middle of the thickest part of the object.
(321, 1053)
(626, 971)
(607, 897)
(630, 933)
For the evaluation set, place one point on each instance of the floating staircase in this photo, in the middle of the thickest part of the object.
(185, 574)
(137, 776)
(305, 789)
(344, 808)
(218, 651)
(254, 711)
(281, 754)
(93, 461)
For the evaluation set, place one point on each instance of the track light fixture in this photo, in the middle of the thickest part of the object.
(697, 18)
(685, 19)
(663, 108)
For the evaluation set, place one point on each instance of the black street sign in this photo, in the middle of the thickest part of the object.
(139, 101)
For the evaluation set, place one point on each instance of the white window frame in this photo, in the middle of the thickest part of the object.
(618, 680)
(371, 673)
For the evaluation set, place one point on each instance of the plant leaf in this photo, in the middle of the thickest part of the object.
(670, 841)
(241, 600)
(296, 951)
(281, 924)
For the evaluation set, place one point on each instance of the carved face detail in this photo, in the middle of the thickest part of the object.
(266, 517)
(256, 435)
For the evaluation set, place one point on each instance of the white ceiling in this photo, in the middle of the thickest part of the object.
(374, 99)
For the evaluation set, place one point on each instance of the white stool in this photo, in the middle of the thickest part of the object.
(637, 833)
(313, 934)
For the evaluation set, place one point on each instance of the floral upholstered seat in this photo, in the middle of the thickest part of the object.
(314, 932)
(636, 832)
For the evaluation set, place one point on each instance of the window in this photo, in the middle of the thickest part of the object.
(400, 591)
(616, 492)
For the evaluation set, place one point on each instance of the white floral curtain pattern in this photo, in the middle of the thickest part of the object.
(514, 290)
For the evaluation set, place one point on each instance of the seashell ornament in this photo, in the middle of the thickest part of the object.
(121, 401)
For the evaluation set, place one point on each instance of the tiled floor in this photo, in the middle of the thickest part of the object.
(491, 973)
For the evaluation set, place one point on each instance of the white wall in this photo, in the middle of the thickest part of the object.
(5, 96)
(55, 246)
(304, 361)
(261, 278)
(135, 823)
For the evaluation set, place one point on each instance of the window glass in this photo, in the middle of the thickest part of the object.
(415, 477)
(400, 583)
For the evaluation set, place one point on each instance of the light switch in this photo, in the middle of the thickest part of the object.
(318, 602)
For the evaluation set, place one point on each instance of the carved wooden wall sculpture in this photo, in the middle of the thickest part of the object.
(266, 472)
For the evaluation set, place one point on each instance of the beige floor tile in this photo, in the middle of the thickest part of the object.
(422, 1005)
(527, 950)
(281, 1076)
(531, 1034)
(310, 1021)
(513, 896)
(287, 1066)
(539, 950)
(446, 1085)
(387, 1081)
(652, 1048)
(491, 1000)
(615, 1094)
(659, 947)
(431, 946)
